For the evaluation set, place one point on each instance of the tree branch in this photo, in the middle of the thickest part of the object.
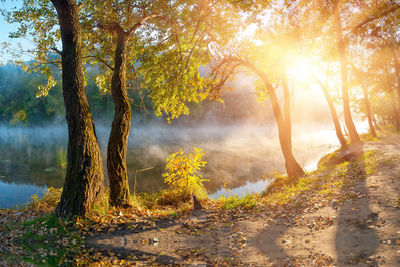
(141, 22)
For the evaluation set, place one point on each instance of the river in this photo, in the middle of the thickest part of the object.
(239, 157)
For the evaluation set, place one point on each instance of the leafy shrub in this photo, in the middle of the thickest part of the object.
(48, 201)
(181, 174)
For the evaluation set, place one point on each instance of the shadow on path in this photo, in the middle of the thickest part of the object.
(355, 240)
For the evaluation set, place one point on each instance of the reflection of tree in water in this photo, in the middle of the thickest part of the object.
(31, 164)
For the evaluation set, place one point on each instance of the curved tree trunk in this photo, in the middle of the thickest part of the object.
(345, 90)
(332, 110)
(118, 141)
(293, 168)
(84, 177)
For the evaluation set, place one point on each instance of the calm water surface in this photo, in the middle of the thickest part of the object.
(239, 156)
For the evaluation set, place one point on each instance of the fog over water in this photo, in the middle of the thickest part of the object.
(238, 156)
(239, 137)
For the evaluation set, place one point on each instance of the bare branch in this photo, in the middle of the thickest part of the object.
(56, 50)
(141, 22)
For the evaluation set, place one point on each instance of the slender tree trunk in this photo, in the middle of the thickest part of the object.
(375, 122)
(397, 70)
(293, 168)
(286, 110)
(334, 116)
(395, 118)
(84, 177)
(118, 141)
(368, 110)
(345, 90)
(366, 101)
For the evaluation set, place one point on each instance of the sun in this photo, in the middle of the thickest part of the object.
(302, 69)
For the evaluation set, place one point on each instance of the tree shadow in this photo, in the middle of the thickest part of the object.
(355, 239)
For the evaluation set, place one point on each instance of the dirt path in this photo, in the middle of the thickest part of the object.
(362, 231)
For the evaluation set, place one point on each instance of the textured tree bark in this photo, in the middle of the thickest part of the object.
(345, 90)
(334, 116)
(118, 141)
(84, 176)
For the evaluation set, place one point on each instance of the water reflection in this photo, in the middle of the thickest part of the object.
(238, 156)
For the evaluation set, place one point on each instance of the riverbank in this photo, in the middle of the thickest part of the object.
(346, 214)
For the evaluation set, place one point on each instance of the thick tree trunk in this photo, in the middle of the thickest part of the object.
(84, 176)
(368, 110)
(334, 116)
(345, 90)
(118, 141)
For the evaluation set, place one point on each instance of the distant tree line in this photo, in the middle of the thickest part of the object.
(20, 106)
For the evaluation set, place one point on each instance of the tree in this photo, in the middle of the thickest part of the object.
(269, 60)
(226, 68)
(127, 25)
(84, 176)
(362, 77)
(381, 37)
(121, 21)
(344, 74)
(338, 128)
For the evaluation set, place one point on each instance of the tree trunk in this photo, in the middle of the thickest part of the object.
(118, 141)
(366, 101)
(334, 116)
(395, 118)
(345, 90)
(368, 110)
(375, 123)
(293, 168)
(84, 177)
(286, 110)
(397, 70)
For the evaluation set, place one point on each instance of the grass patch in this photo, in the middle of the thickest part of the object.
(326, 184)
(367, 137)
(234, 202)
(49, 241)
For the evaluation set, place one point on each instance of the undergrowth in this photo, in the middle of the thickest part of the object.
(49, 241)
(328, 183)
(249, 201)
